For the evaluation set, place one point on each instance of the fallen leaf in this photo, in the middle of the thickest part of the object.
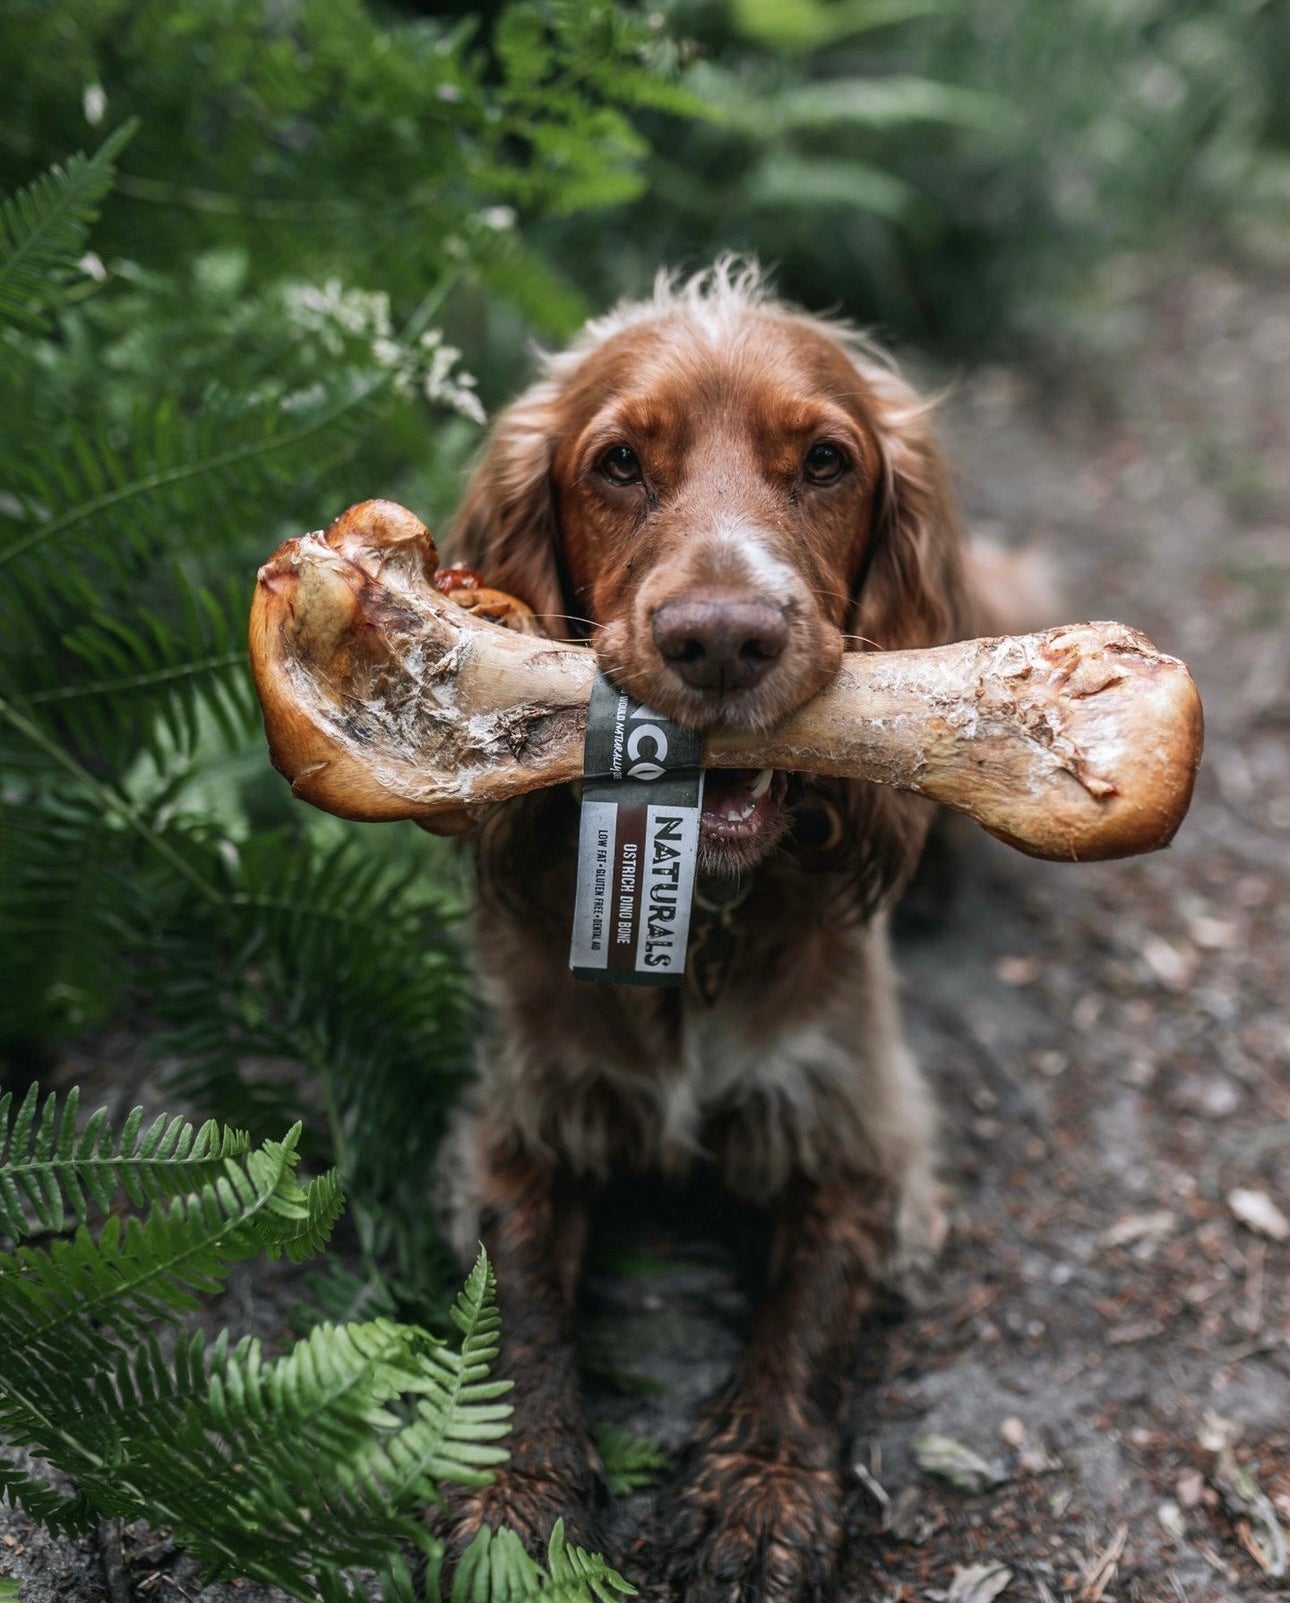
(979, 1583)
(1257, 1211)
(1170, 965)
(1012, 1432)
(1018, 971)
(1213, 934)
(953, 1462)
(1139, 1227)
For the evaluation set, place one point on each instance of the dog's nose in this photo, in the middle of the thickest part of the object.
(720, 642)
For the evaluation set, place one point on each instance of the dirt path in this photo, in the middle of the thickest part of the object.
(1110, 1044)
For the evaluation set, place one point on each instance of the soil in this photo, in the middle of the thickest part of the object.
(1110, 1044)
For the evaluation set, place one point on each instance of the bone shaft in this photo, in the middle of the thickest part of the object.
(384, 700)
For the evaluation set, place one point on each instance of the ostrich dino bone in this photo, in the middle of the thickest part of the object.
(384, 699)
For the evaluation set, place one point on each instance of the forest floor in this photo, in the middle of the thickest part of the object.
(1108, 1338)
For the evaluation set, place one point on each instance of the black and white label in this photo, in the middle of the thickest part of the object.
(638, 842)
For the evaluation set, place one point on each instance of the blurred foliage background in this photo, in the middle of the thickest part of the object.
(304, 265)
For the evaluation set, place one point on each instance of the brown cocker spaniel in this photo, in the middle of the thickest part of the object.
(723, 495)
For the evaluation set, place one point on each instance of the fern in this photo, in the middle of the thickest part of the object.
(338, 962)
(291, 1470)
(151, 681)
(629, 1462)
(458, 1413)
(139, 1270)
(43, 230)
(94, 507)
(48, 1169)
(497, 1567)
(66, 914)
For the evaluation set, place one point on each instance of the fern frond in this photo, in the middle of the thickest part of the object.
(577, 1575)
(287, 1470)
(43, 229)
(629, 1462)
(48, 1170)
(137, 1271)
(174, 849)
(123, 500)
(150, 680)
(458, 1415)
(495, 1567)
(63, 1514)
(68, 903)
(332, 958)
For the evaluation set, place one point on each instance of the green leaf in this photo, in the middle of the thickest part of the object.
(50, 1169)
(629, 1462)
(97, 504)
(43, 229)
(69, 908)
(803, 25)
(888, 102)
(459, 1418)
(150, 679)
(67, 1516)
(810, 182)
(495, 1568)
(136, 1271)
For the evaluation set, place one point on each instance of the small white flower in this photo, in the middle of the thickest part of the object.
(499, 217)
(92, 266)
(439, 382)
(94, 103)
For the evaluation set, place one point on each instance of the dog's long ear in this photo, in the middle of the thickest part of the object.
(911, 589)
(506, 524)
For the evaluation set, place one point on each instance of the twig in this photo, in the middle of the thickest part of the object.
(1180, 1591)
(1105, 1569)
(1254, 1288)
(113, 1556)
(978, 1302)
(875, 1490)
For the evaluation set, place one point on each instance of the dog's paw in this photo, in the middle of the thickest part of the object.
(744, 1528)
(528, 1502)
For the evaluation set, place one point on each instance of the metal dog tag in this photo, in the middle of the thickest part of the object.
(638, 841)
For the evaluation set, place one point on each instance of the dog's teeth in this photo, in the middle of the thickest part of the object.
(761, 784)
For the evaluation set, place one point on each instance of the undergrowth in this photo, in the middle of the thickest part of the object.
(298, 1469)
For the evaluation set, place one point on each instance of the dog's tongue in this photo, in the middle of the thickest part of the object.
(738, 799)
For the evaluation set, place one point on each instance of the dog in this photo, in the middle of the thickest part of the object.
(722, 494)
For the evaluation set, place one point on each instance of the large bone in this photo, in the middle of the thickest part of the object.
(384, 700)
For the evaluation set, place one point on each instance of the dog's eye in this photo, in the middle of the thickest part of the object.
(824, 463)
(621, 465)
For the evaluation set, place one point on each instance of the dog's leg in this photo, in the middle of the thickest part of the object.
(758, 1515)
(533, 1223)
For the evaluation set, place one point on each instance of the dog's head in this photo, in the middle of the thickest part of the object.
(726, 494)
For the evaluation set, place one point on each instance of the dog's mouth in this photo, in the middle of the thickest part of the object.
(743, 812)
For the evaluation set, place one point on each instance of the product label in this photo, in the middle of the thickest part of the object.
(638, 842)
